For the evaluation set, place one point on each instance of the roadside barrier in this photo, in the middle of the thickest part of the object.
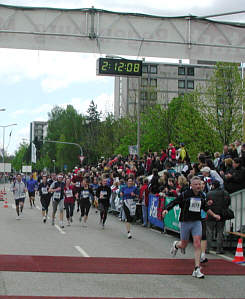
(239, 259)
(238, 206)
(6, 205)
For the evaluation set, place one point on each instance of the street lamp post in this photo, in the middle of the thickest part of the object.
(3, 151)
(54, 165)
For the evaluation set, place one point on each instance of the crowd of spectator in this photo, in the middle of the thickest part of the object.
(227, 167)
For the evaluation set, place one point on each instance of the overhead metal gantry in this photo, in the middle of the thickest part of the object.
(104, 32)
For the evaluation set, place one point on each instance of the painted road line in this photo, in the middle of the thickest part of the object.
(60, 229)
(80, 250)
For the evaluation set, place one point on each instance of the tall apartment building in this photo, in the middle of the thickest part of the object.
(38, 130)
(160, 83)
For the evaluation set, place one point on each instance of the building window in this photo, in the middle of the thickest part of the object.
(153, 69)
(153, 82)
(181, 84)
(181, 70)
(190, 84)
(144, 81)
(190, 71)
(145, 68)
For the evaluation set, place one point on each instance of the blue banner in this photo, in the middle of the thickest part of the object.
(152, 211)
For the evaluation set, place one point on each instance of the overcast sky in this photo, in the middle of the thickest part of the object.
(32, 82)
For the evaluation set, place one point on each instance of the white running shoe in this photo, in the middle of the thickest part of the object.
(21, 215)
(17, 218)
(197, 273)
(174, 250)
(129, 236)
(68, 223)
(84, 224)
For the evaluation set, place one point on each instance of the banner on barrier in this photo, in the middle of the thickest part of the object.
(171, 220)
(153, 211)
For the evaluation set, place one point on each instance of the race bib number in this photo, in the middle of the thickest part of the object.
(69, 193)
(131, 205)
(44, 190)
(103, 193)
(85, 194)
(195, 204)
(56, 195)
(22, 195)
(77, 184)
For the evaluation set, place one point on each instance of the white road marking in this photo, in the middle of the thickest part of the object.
(83, 252)
(60, 229)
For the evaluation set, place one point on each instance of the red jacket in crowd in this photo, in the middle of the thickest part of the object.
(144, 194)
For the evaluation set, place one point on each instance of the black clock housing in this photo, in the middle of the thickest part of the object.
(119, 67)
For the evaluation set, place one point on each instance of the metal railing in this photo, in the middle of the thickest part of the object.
(238, 206)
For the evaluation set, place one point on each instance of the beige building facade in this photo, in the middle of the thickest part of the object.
(160, 83)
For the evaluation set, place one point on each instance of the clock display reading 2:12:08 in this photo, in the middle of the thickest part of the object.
(119, 67)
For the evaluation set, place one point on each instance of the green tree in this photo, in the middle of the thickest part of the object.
(19, 159)
(191, 128)
(222, 100)
(93, 115)
(125, 132)
(64, 125)
(93, 131)
(153, 132)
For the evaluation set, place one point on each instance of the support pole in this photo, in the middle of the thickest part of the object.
(138, 118)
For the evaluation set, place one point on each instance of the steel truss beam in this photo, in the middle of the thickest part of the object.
(104, 32)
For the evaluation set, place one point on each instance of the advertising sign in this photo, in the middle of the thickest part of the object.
(171, 220)
(6, 168)
(132, 149)
(26, 169)
(152, 211)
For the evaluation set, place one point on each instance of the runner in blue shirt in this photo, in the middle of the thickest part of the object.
(32, 188)
(129, 195)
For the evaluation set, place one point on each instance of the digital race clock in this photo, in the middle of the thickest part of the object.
(119, 67)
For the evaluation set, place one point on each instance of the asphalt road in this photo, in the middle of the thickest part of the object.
(30, 236)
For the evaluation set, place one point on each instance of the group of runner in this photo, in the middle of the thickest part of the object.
(64, 191)
(94, 186)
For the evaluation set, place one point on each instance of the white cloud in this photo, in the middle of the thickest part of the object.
(18, 136)
(17, 113)
(45, 108)
(54, 69)
(104, 103)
